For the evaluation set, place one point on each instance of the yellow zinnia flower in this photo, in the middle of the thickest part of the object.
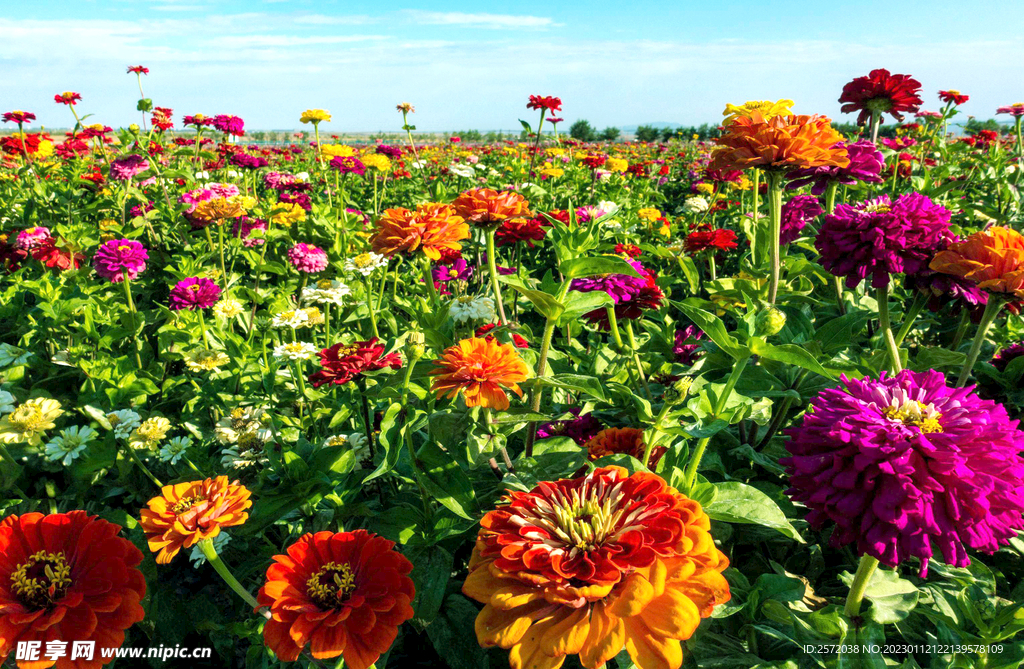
(29, 421)
(150, 433)
(315, 116)
(288, 213)
(767, 108)
(649, 214)
(335, 150)
(616, 165)
(377, 162)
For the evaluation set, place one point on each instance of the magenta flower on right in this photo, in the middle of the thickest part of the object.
(906, 466)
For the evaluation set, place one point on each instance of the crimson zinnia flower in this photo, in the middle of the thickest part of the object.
(883, 93)
(343, 593)
(720, 239)
(137, 69)
(956, 97)
(549, 102)
(19, 117)
(905, 465)
(194, 293)
(67, 576)
(67, 98)
(342, 363)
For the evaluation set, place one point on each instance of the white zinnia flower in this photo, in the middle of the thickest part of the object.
(174, 449)
(295, 318)
(366, 263)
(695, 205)
(298, 350)
(471, 308)
(124, 422)
(69, 445)
(228, 308)
(464, 171)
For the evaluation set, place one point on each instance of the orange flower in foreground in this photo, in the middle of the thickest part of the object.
(344, 594)
(186, 513)
(993, 258)
(434, 228)
(68, 577)
(487, 207)
(593, 564)
(785, 142)
(480, 369)
(628, 440)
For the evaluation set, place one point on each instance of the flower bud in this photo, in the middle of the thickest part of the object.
(769, 322)
(414, 346)
(678, 391)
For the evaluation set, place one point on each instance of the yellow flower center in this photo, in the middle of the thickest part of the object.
(586, 523)
(42, 580)
(920, 415)
(185, 503)
(363, 260)
(332, 585)
(453, 273)
(877, 209)
(27, 418)
(323, 284)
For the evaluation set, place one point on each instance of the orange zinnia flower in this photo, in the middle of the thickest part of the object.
(628, 440)
(479, 369)
(68, 577)
(993, 258)
(434, 228)
(593, 564)
(344, 594)
(487, 207)
(784, 142)
(186, 513)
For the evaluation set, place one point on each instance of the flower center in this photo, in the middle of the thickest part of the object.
(347, 350)
(362, 260)
(879, 104)
(323, 284)
(42, 580)
(186, 503)
(877, 209)
(26, 418)
(585, 524)
(331, 586)
(920, 415)
(453, 273)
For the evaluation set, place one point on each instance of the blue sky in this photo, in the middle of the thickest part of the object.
(473, 65)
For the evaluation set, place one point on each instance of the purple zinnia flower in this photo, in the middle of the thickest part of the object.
(796, 214)
(229, 125)
(621, 287)
(389, 151)
(243, 229)
(348, 165)
(125, 168)
(307, 258)
(687, 354)
(118, 259)
(905, 464)
(1008, 355)
(194, 293)
(457, 270)
(866, 164)
(580, 429)
(244, 160)
(882, 237)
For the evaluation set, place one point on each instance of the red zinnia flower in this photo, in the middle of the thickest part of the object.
(341, 363)
(720, 239)
(67, 98)
(19, 117)
(55, 258)
(518, 340)
(515, 230)
(883, 93)
(956, 97)
(548, 102)
(137, 69)
(67, 576)
(344, 593)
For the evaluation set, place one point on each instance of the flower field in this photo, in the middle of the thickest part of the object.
(746, 401)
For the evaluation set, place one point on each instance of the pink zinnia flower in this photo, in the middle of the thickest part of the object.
(1015, 110)
(119, 259)
(307, 258)
(30, 238)
(123, 169)
(194, 293)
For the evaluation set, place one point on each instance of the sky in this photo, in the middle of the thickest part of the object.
(474, 64)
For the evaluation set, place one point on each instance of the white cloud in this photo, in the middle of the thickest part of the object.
(494, 21)
(261, 41)
(324, 20)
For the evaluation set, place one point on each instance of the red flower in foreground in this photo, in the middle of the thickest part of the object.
(719, 239)
(19, 117)
(548, 102)
(883, 93)
(68, 577)
(956, 97)
(67, 98)
(343, 362)
(344, 594)
(56, 258)
(137, 69)
(515, 230)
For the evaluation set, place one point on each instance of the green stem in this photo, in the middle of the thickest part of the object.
(542, 365)
(885, 326)
(368, 285)
(991, 311)
(135, 327)
(492, 267)
(690, 475)
(428, 278)
(653, 435)
(754, 206)
(774, 230)
(206, 546)
(613, 323)
(961, 330)
(865, 570)
(911, 316)
(636, 359)
(145, 470)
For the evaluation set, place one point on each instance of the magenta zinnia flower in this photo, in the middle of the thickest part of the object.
(687, 354)
(194, 293)
(307, 258)
(882, 237)
(866, 164)
(125, 168)
(1007, 355)
(30, 238)
(348, 165)
(621, 287)
(796, 214)
(905, 464)
(229, 125)
(580, 429)
(118, 259)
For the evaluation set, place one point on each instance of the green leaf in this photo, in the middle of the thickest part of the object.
(741, 503)
(580, 267)
(547, 305)
(791, 354)
(431, 571)
(576, 383)
(577, 304)
(690, 272)
(714, 328)
(526, 126)
(444, 479)
(448, 634)
(892, 598)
